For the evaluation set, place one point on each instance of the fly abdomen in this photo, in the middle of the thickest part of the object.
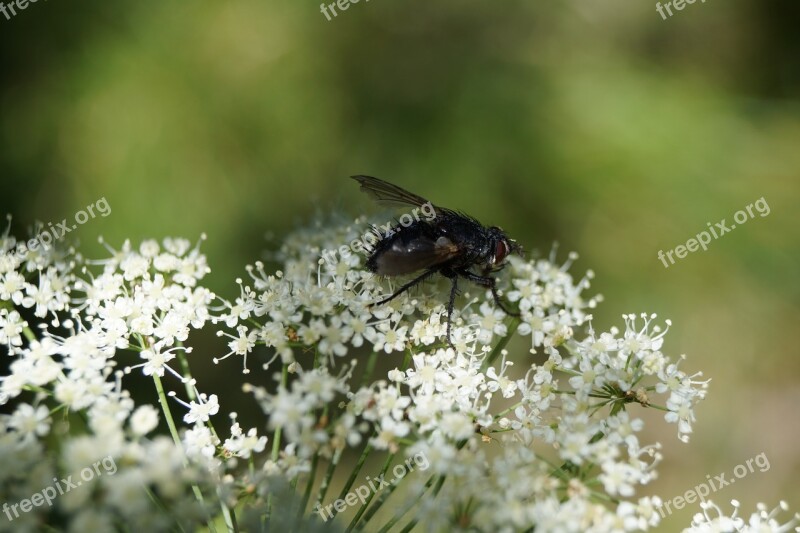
(409, 251)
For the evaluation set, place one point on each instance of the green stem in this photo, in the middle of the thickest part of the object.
(326, 482)
(276, 438)
(381, 500)
(402, 512)
(227, 514)
(504, 412)
(186, 372)
(309, 486)
(371, 360)
(276, 442)
(357, 517)
(356, 470)
(28, 334)
(162, 400)
(399, 515)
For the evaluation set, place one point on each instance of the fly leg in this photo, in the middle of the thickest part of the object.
(490, 283)
(451, 303)
(419, 279)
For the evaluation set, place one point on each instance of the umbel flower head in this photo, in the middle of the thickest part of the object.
(528, 422)
(475, 412)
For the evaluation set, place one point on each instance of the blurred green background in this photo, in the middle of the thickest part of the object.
(592, 123)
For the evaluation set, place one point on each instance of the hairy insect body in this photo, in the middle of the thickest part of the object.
(450, 244)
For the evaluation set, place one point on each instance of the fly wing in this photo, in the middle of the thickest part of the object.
(417, 254)
(387, 193)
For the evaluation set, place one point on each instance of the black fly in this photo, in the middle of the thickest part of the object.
(450, 244)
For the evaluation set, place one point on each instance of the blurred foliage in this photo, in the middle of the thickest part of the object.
(595, 124)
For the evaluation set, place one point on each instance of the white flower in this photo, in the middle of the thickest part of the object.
(11, 327)
(124, 491)
(317, 387)
(286, 409)
(242, 445)
(156, 361)
(30, 422)
(12, 284)
(390, 339)
(241, 344)
(390, 430)
(174, 326)
(144, 420)
(200, 441)
(75, 394)
(491, 322)
(333, 338)
(713, 520)
(500, 382)
(457, 426)
(203, 409)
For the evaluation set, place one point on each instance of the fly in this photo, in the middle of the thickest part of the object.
(451, 244)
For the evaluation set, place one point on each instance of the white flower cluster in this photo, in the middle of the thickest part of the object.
(713, 520)
(66, 385)
(468, 410)
(541, 437)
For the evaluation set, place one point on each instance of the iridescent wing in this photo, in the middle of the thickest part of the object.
(389, 194)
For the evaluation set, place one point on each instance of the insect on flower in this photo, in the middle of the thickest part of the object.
(450, 244)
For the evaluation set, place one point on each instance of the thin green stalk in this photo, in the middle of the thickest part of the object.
(161, 507)
(407, 360)
(276, 439)
(173, 430)
(436, 490)
(439, 484)
(227, 514)
(377, 505)
(309, 486)
(356, 470)
(326, 481)
(186, 372)
(276, 442)
(162, 400)
(371, 360)
(402, 512)
(357, 517)
(387, 493)
(504, 412)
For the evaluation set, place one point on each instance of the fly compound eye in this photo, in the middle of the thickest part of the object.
(500, 251)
